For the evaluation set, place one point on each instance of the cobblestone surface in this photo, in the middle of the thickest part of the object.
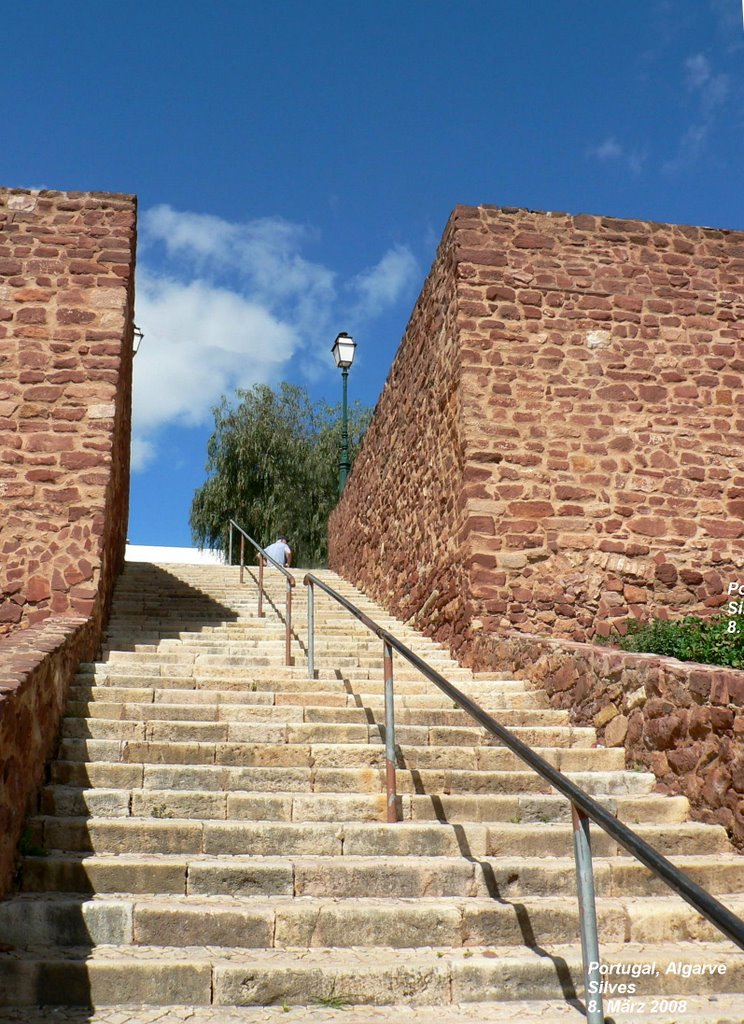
(700, 1010)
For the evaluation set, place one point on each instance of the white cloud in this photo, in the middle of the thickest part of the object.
(612, 150)
(143, 453)
(711, 89)
(225, 305)
(201, 340)
(697, 69)
(195, 233)
(261, 256)
(709, 94)
(714, 94)
(383, 284)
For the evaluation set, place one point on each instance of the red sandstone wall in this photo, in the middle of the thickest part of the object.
(681, 721)
(588, 376)
(583, 397)
(582, 422)
(603, 377)
(66, 295)
(397, 530)
(66, 301)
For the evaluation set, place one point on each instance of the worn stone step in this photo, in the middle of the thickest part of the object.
(349, 652)
(237, 646)
(127, 835)
(281, 680)
(195, 705)
(111, 775)
(351, 877)
(167, 803)
(417, 838)
(233, 649)
(332, 755)
(311, 698)
(317, 732)
(313, 922)
(379, 976)
(250, 678)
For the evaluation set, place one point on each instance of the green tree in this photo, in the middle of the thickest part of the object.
(272, 465)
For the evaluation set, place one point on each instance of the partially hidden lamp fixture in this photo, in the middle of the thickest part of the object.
(343, 352)
(138, 336)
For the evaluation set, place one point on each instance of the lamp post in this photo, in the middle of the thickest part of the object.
(343, 353)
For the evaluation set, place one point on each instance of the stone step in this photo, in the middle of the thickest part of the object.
(379, 976)
(332, 755)
(251, 922)
(272, 651)
(330, 634)
(239, 654)
(195, 705)
(406, 838)
(167, 803)
(276, 677)
(351, 877)
(316, 732)
(230, 802)
(711, 1009)
(442, 782)
(170, 690)
(147, 645)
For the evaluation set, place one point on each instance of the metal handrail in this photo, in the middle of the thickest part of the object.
(583, 807)
(262, 559)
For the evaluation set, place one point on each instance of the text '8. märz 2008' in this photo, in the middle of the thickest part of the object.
(618, 983)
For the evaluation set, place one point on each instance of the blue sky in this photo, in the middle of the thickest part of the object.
(296, 162)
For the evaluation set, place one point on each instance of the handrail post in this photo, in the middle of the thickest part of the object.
(587, 916)
(242, 556)
(260, 586)
(288, 626)
(310, 629)
(230, 543)
(392, 799)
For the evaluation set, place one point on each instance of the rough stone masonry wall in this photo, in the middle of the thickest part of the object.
(603, 387)
(66, 302)
(397, 530)
(599, 445)
(593, 373)
(684, 722)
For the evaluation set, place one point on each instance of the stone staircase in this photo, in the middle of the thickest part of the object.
(211, 843)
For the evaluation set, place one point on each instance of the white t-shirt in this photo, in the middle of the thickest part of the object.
(279, 551)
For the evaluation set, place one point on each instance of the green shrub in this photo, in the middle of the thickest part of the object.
(689, 639)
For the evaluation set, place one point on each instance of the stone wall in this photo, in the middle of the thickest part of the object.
(36, 667)
(66, 308)
(575, 412)
(398, 528)
(559, 446)
(684, 722)
(66, 299)
(603, 375)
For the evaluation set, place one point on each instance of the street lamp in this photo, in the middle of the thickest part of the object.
(343, 353)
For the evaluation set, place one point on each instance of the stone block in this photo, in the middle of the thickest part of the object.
(174, 923)
(616, 731)
(241, 876)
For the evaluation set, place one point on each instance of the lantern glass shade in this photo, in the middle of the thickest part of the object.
(343, 350)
